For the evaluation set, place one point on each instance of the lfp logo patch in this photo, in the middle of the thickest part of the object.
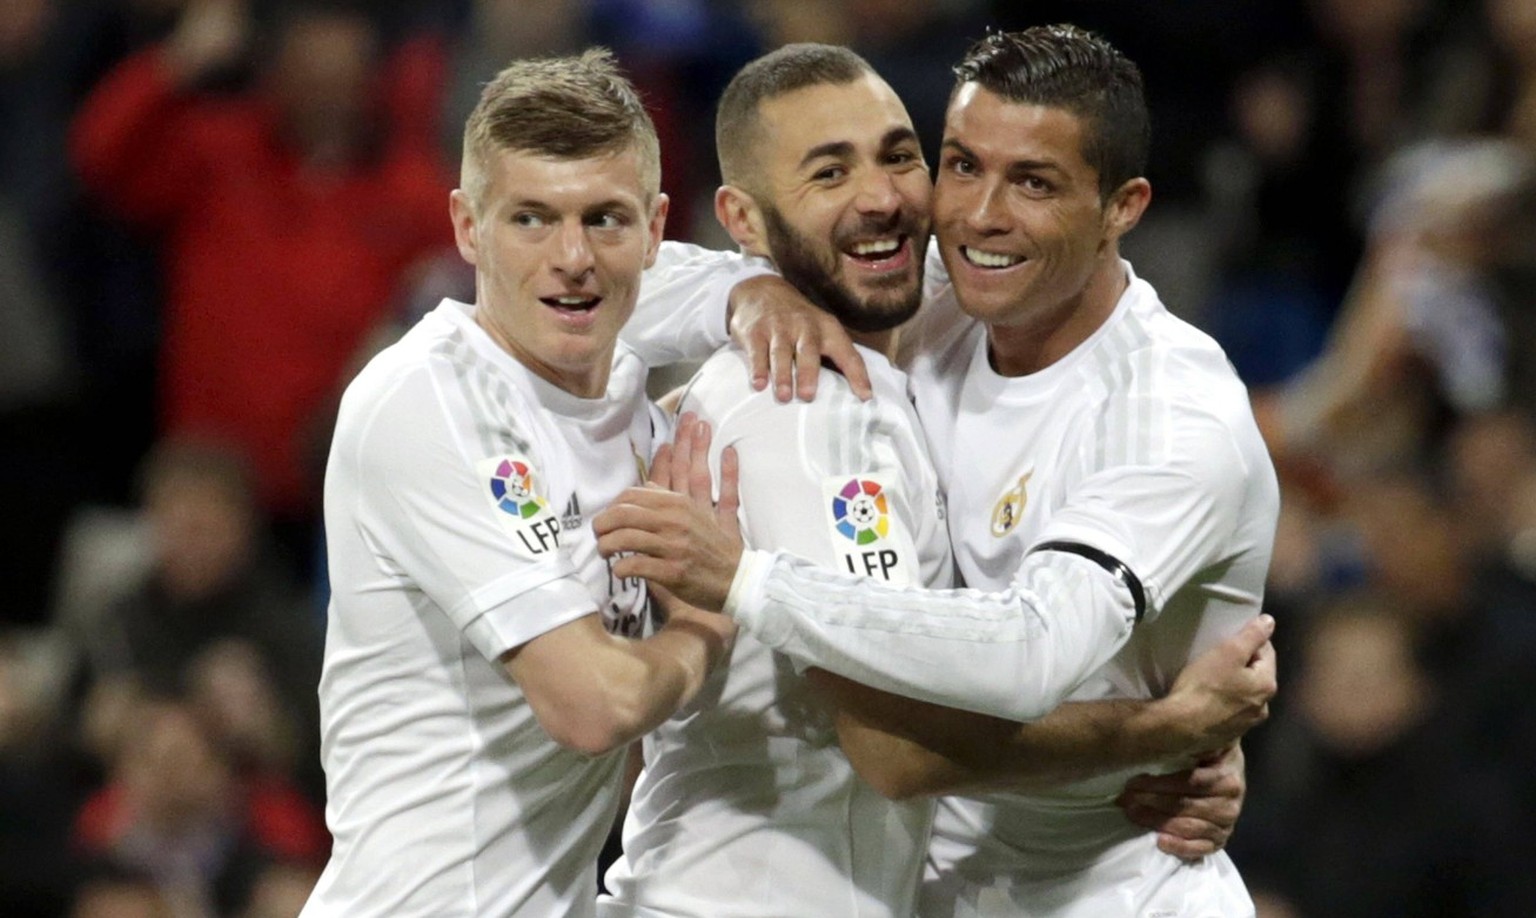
(861, 511)
(513, 488)
(867, 535)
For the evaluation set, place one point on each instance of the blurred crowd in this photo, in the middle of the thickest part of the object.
(212, 210)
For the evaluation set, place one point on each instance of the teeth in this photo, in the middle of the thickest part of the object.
(989, 259)
(572, 300)
(878, 247)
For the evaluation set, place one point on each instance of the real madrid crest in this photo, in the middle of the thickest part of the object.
(1009, 508)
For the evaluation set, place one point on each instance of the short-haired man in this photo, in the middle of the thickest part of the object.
(479, 687)
(747, 786)
(1104, 479)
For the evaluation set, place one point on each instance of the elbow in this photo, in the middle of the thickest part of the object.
(898, 787)
(894, 780)
(590, 739)
(595, 724)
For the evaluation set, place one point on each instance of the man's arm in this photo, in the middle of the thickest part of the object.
(1015, 653)
(594, 692)
(907, 748)
(999, 654)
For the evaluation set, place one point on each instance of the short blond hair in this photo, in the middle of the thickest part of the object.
(563, 108)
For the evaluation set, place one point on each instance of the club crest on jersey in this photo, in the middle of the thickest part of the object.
(514, 489)
(1009, 508)
(864, 531)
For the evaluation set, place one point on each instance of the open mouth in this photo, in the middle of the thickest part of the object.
(880, 254)
(983, 259)
(571, 303)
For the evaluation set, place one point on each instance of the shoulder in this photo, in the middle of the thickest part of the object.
(722, 386)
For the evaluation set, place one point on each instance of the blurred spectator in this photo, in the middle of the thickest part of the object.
(1283, 251)
(281, 891)
(37, 793)
(1369, 809)
(214, 612)
(175, 808)
(287, 215)
(117, 892)
(1422, 336)
(1476, 642)
(1486, 74)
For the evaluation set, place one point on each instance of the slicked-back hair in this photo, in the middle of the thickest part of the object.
(792, 67)
(1063, 66)
(579, 107)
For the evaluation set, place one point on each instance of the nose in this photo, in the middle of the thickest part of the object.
(573, 256)
(877, 193)
(986, 213)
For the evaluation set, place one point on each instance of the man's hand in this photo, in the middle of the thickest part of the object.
(1192, 811)
(673, 531)
(1225, 692)
(785, 338)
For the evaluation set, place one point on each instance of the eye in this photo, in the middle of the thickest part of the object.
(528, 219)
(1035, 185)
(608, 219)
(829, 174)
(903, 158)
(960, 165)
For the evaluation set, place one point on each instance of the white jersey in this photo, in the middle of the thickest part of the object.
(746, 806)
(457, 506)
(1141, 444)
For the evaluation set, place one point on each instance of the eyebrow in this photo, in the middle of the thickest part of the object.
(834, 148)
(1015, 167)
(845, 148)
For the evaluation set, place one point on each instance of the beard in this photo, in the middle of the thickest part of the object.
(814, 272)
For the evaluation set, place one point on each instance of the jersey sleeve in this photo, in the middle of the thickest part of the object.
(1016, 654)
(681, 313)
(1168, 520)
(427, 507)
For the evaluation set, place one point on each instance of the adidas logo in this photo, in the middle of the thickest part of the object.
(571, 518)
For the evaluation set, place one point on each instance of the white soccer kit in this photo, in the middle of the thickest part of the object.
(1140, 444)
(1137, 451)
(457, 506)
(746, 806)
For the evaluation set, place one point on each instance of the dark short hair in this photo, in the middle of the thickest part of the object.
(1063, 66)
(792, 67)
(564, 108)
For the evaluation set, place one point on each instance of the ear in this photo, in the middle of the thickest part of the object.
(461, 210)
(739, 214)
(657, 225)
(1125, 206)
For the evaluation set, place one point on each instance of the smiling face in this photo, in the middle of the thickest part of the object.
(839, 201)
(558, 246)
(1031, 246)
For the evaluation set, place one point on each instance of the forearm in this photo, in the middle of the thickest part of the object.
(623, 688)
(906, 748)
(1014, 655)
(662, 673)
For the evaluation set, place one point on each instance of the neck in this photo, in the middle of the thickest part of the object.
(1019, 350)
(589, 382)
(882, 341)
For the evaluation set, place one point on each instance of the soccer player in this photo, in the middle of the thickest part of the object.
(746, 786)
(478, 687)
(1105, 483)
